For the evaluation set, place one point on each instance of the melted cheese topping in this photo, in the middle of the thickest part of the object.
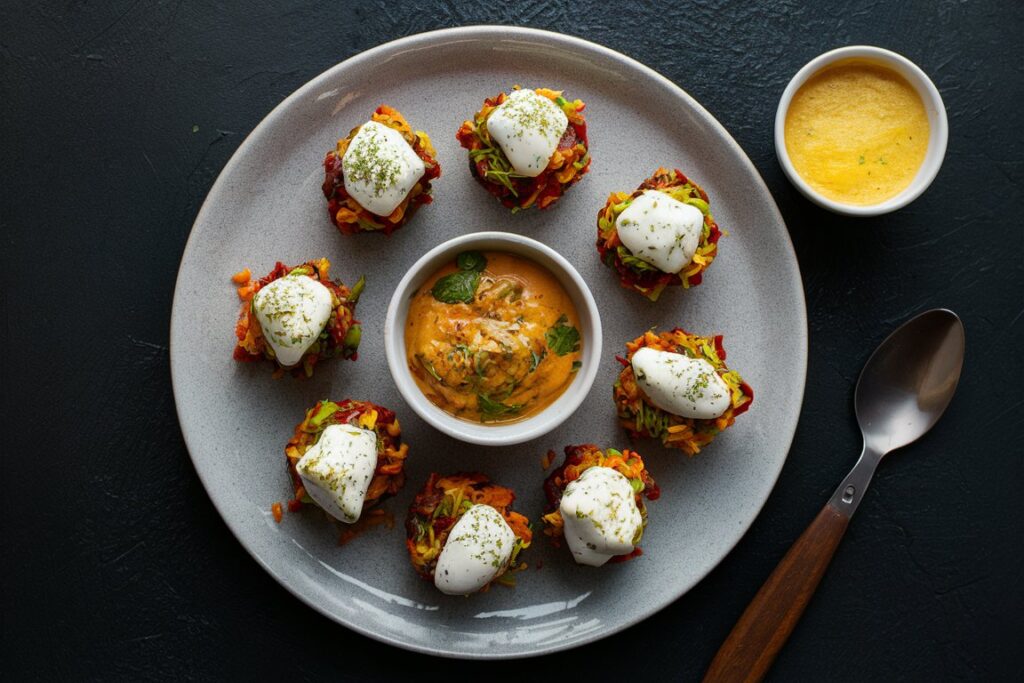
(527, 127)
(857, 132)
(684, 386)
(478, 549)
(380, 168)
(661, 230)
(337, 470)
(600, 516)
(292, 312)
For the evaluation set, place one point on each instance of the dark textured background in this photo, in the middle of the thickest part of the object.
(117, 117)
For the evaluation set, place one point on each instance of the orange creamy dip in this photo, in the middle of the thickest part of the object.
(505, 355)
(857, 132)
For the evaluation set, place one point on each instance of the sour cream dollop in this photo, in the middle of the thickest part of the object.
(337, 470)
(478, 548)
(600, 516)
(684, 386)
(527, 127)
(292, 312)
(661, 230)
(380, 168)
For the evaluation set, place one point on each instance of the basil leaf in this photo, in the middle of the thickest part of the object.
(491, 409)
(471, 260)
(458, 287)
(562, 338)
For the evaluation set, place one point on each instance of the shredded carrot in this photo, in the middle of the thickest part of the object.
(389, 475)
(252, 345)
(277, 512)
(546, 461)
(438, 506)
(565, 167)
(646, 281)
(689, 435)
(347, 214)
(581, 458)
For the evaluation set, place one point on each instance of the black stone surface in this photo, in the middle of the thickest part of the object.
(117, 117)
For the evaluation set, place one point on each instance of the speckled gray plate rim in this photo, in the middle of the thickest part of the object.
(266, 205)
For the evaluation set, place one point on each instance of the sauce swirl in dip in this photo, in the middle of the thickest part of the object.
(492, 337)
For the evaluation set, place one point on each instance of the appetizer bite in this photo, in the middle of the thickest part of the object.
(492, 337)
(463, 534)
(345, 457)
(379, 174)
(296, 317)
(596, 501)
(527, 147)
(663, 234)
(675, 386)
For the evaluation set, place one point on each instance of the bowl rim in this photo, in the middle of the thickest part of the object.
(925, 88)
(504, 434)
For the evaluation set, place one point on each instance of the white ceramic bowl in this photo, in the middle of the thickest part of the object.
(937, 122)
(481, 433)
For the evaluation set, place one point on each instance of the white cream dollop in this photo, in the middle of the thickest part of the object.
(292, 312)
(380, 168)
(337, 470)
(684, 386)
(600, 516)
(661, 230)
(527, 127)
(477, 549)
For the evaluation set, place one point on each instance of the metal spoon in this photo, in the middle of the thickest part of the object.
(903, 390)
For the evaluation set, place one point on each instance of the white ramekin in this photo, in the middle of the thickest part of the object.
(937, 122)
(483, 433)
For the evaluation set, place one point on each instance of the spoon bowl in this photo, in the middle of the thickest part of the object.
(909, 380)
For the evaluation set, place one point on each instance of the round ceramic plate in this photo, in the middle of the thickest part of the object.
(267, 206)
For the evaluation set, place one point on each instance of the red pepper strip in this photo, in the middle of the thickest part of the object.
(719, 349)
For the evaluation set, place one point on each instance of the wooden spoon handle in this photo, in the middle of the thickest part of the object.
(761, 632)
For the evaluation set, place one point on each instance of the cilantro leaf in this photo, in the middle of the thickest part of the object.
(563, 338)
(491, 409)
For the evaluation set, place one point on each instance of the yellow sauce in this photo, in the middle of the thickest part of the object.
(857, 132)
(490, 360)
